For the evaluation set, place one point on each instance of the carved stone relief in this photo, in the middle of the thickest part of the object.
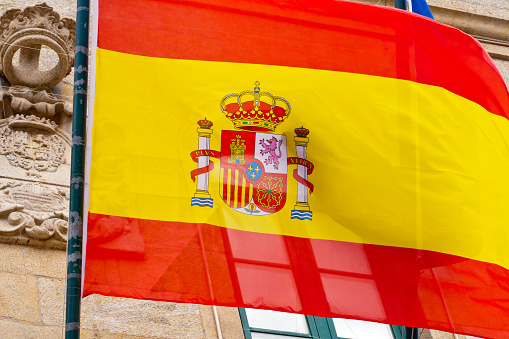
(34, 148)
(31, 150)
(33, 211)
(27, 31)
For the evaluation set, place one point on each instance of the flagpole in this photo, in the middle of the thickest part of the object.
(75, 232)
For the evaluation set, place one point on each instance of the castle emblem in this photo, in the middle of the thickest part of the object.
(238, 150)
(253, 159)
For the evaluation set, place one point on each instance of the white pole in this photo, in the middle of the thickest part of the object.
(302, 191)
(202, 181)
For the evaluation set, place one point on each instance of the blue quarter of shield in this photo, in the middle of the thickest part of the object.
(253, 171)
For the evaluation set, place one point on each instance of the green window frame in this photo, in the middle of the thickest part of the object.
(401, 332)
(398, 331)
(319, 328)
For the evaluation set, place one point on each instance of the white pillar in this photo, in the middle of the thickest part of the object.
(202, 180)
(302, 191)
(301, 142)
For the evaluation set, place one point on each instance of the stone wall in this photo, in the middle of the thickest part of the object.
(489, 8)
(32, 278)
(32, 291)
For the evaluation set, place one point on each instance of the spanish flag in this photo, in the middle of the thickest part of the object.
(321, 157)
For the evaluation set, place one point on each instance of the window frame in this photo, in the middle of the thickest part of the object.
(319, 328)
(247, 329)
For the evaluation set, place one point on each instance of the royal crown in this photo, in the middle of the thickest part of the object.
(301, 132)
(31, 122)
(255, 110)
(205, 124)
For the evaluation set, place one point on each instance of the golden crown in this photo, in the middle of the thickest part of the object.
(301, 132)
(205, 124)
(255, 110)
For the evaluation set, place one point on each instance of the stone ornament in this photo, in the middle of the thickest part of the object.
(28, 149)
(28, 30)
(30, 140)
(27, 101)
(33, 145)
(33, 211)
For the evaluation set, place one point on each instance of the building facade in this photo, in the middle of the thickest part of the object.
(35, 125)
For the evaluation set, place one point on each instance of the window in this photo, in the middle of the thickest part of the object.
(262, 324)
(348, 328)
(281, 258)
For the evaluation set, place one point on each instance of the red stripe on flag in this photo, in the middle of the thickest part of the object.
(239, 188)
(232, 187)
(399, 286)
(225, 185)
(330, 35)
(246, 192)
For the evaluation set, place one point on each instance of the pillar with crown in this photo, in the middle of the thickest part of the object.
(202, 195)
(301, 210)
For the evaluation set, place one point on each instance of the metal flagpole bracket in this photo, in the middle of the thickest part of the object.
(75, 235)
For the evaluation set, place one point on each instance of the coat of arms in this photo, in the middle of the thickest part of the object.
(253, 159)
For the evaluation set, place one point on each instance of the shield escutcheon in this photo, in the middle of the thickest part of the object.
(253, 171)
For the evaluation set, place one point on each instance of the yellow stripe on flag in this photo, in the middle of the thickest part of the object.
(397, 163)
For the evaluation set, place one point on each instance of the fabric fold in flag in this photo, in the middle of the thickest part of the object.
(326, 158)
